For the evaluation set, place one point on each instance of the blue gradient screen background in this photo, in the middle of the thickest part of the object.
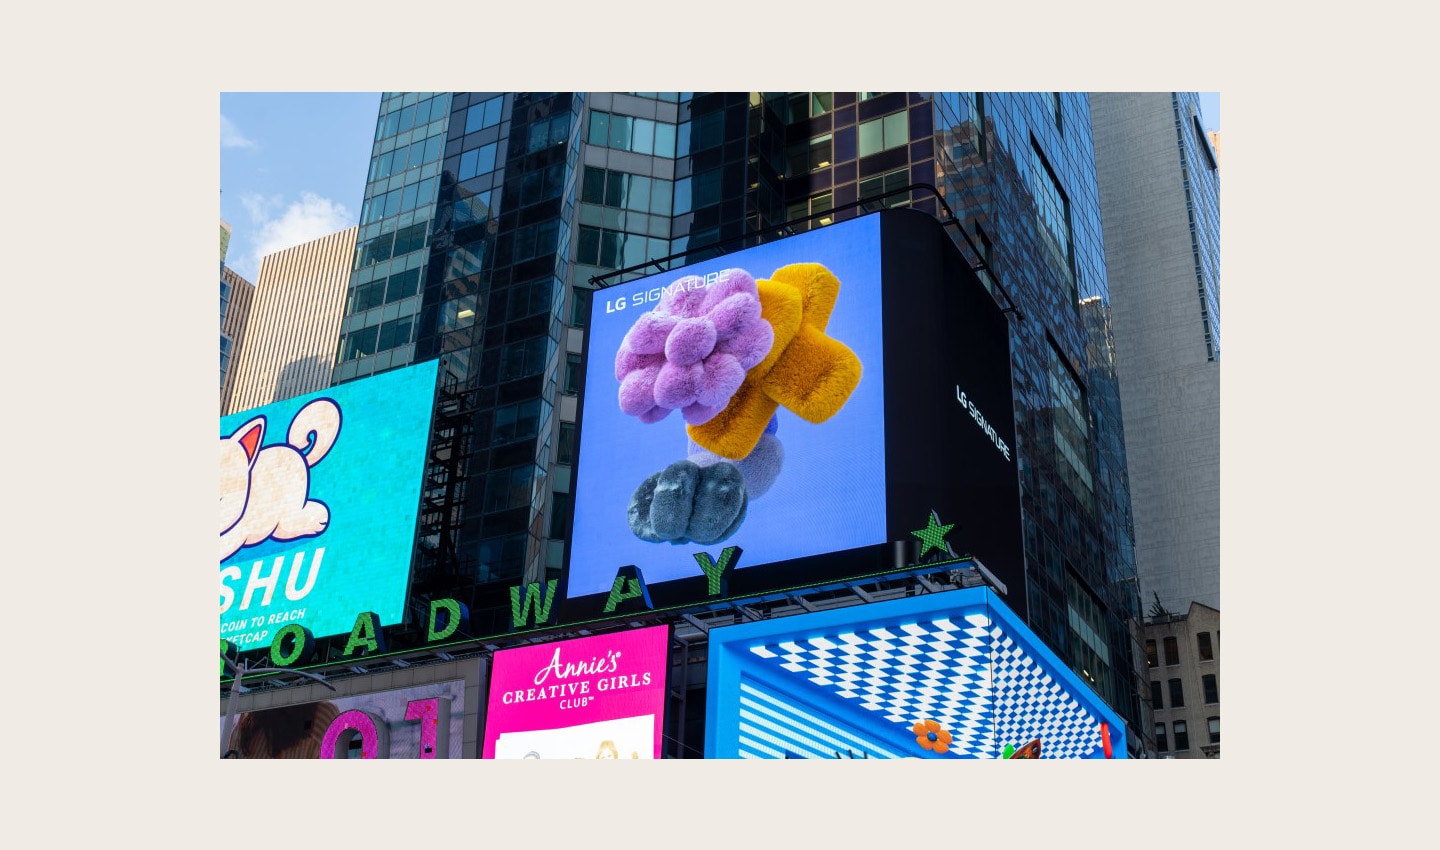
(830, 493)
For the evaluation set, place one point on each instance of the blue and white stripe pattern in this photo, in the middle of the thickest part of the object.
(971, 677)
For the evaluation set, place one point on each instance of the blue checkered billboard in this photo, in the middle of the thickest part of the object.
(945, 675)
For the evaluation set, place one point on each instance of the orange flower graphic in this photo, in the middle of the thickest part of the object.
(929, 735)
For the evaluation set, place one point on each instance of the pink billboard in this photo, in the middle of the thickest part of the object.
(592, 698)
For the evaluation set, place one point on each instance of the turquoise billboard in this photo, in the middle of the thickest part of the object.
(318, 501)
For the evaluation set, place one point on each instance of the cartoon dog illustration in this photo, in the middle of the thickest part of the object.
(265, 492)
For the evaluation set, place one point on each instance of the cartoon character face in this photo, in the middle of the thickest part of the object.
(265, 490)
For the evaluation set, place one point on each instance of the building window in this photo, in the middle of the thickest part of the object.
(565, 449)
(801, 105)
(634, 192)
(542, 184)
(1152, 658)
(1214, 724)
(881, 185)
(980, 125)
(477, 162)
(1052, 210)
(409, 197)
(502, 557)
(519, 421)
(1055, 111)
(1212, 688)
(806, 157)
(1177, 694)
(394, 333)
(471, 208)
(1202, 642)
(816, 205)
(509, 488)
(1071, 430)
(1090, 655)
(407, 157)
(1155, 701)
(524, 358)
(1162, 745)
(545, 133)
(884, 133)
(615, 249)
(1172, 652)
(559, 516)
(359, 344)
(572, 374)
(637, 135)
(483, 115)
(414, 115)
(986, 249)
(1203, 141)
(457, 313)
(1182, 736)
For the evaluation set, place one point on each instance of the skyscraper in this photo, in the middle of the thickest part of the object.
(235, 295)
(289, 346)
(489, 216)
(1159, 186)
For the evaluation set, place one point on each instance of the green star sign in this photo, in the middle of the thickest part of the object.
(933, 534)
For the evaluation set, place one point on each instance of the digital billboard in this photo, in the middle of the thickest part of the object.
(318, 500)
(794, 409)
(945, 675)
(597, 697)
(420, 722)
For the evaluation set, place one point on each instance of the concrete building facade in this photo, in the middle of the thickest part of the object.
(1159, 189)
(293, 324)
(1183, 655)
(236, 297)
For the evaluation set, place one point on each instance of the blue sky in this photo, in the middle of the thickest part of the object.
(293, 165)
(292, 168)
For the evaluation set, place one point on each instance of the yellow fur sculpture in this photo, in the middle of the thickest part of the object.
(808, 372)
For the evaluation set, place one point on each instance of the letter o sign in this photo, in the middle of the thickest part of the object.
(374, 735)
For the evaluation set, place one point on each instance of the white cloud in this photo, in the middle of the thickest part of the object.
(259, 206)
(231, 137)
(278, 225)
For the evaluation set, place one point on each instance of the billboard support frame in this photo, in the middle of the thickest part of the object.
(236, 688)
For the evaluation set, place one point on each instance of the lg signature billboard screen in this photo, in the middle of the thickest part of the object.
(806, 404)
(945, 675)
(599, 697)
(318, 499)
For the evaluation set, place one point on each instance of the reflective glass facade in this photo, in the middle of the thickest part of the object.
(396, 217)
(1017, 169)
(481, 250)
(224, 339)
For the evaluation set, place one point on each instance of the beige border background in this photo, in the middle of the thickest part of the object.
(112, 675)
